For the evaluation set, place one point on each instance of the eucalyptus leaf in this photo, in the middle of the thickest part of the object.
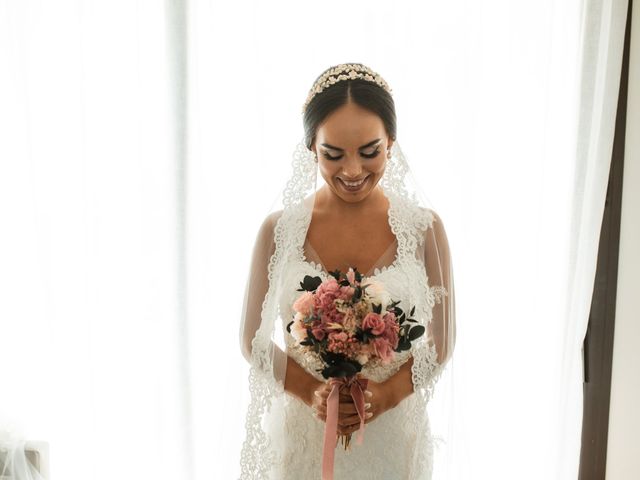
(403, 344)
(416, 332)
(309, 283)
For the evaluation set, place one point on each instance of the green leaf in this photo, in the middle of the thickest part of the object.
(416, 332)
(357, 294)
(403, 344)
(309, 283)
(335, 274)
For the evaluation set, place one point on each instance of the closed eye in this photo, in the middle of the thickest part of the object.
(365, 155)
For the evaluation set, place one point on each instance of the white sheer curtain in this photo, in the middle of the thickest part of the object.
(111, 242)
(90, 319)
(505, 111)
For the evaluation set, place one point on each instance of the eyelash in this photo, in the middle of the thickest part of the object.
(371, 155)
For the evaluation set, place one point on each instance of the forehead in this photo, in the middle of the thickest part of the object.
(350, 126)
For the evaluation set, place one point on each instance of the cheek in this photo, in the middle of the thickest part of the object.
(328, 169)
(378, 166)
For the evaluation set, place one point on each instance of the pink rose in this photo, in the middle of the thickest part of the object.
(331, 315)
(304, 303)
(390, 317)
(328, 287)
(374, 322)
(391, 336)
(346, 293)
(383, 349)
(391, 330)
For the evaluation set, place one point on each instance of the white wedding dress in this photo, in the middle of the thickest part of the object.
(284, 440)
(390, 440)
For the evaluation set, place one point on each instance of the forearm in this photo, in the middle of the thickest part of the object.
(400, 384)
(299, 383)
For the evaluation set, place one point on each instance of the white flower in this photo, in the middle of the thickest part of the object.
(298, 330)
(377, 294)
(362, 359)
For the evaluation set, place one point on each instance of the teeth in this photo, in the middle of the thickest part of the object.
(354, 184)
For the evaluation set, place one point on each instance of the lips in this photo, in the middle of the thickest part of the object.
(353, 181)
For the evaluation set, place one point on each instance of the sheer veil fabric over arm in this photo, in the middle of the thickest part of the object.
(282, 437)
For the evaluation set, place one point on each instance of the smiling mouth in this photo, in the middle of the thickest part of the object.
(353, 184)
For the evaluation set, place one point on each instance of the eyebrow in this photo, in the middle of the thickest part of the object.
(360, 148)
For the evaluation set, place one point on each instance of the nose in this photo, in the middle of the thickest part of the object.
(352, 169)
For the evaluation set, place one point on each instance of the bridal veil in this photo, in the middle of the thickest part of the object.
(423, 261)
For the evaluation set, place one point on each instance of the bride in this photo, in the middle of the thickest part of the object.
(367, 215)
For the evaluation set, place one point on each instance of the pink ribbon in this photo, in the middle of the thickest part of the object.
(357, 386)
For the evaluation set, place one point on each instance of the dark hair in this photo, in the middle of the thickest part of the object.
(362, 92)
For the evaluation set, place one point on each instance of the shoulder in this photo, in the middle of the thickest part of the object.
(430, 217)
(268, 225)
(272, 218)
(434, 225)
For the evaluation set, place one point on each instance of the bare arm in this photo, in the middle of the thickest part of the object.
(300, 383)
(399, 385)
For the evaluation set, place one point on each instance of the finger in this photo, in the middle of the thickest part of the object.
(354, 421)
(346, 397)
(349, 421)
(343, 408)
(321, 415)
(321, 393)
(350, 408)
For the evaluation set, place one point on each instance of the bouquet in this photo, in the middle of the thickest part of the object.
(349, 321)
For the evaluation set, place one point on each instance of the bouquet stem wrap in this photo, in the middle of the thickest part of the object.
(357, 386)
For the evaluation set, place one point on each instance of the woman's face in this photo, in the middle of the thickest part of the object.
(351, 145)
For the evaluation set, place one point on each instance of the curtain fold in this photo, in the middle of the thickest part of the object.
(90, 291)
(601, 44)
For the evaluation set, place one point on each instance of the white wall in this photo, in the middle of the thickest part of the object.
(623, 452)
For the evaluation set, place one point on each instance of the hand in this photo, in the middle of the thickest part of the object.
(378, 399)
